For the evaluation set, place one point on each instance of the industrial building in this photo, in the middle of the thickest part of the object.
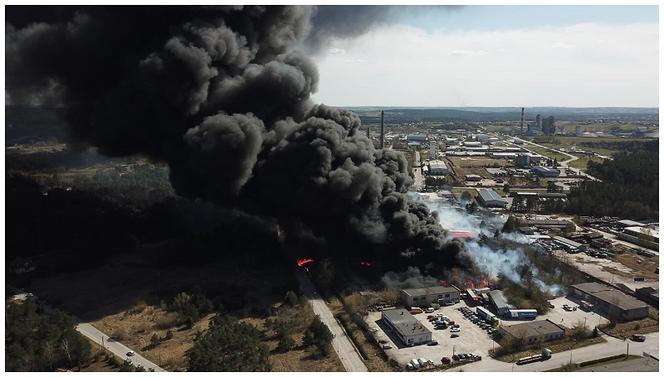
(534, 332)
(438, 167)
(567, 244)
(549, 126)
(431, 295)
(612, 302)
(473, 178)
(417, 138)
(499, 303)
(641, 235)
(544, 171)
(491, 199)
(407, 328)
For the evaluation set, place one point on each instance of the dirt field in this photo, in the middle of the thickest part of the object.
(142, 322)
(641, 265)
(463, 166)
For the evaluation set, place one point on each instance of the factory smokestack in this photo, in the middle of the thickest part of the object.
(382, 129)
(522, 121)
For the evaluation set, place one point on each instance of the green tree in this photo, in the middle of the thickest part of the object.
(286, 343)
(229, 346)
(506, 188)
(40, 341)
(319, 336)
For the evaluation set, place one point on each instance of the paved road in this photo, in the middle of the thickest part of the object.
(611, 348)
(418, 177)
(116, 348)
(100, 338)
(349, 357)
(565, 163)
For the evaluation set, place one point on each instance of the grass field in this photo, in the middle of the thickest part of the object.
(605, 146)
(582, 162)
(546, 152)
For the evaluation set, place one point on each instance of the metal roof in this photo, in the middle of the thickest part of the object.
(404, 322)
(610, 295)
(535, 328)
(437, 290)
(498, 299)
(489, 195)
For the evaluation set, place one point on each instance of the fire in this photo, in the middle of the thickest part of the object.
(303, 262)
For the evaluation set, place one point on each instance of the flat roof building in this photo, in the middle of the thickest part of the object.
(612, 302)
(544, 171)
(431, 295)
(437, 167)
(534, 332)
(490, 198)
(499, 303)
(641, 235)
(407, 328)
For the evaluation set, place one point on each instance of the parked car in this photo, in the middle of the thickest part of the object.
(430, 316)
(638, 338)
(131, 353)
(387, 347)
(445, 360)
(456, 329)
(454, 335)
(432, 343)
(455, 357)
(429, 310)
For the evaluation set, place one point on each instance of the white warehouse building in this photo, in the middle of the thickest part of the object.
(407, 328)
(438, 167)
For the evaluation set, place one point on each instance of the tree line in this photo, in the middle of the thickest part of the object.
(629, 187)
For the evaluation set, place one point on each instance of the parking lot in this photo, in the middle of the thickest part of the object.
(471, 338)
(560, 316)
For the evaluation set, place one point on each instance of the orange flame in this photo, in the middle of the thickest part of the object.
(304, 261)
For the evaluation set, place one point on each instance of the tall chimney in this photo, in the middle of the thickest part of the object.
(382, 129)
(522, 121)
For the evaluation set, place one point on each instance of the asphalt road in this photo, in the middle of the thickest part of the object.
(565, 163)
(418, 177)
(100, 338)
(348, 355)
(594, 352)
(116, 348)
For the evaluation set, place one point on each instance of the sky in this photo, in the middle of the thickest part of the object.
(576, 56)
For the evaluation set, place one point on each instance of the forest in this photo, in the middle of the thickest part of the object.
(629, 187)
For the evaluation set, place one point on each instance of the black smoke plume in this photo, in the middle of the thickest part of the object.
(222, 94)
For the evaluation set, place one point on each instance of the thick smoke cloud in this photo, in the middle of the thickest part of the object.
(222, 94)
(349, 21)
